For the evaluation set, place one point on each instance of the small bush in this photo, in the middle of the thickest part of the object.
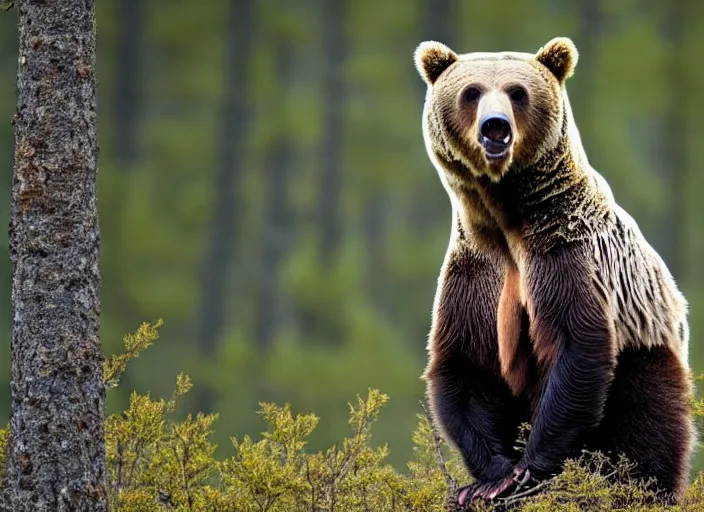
(157, 463)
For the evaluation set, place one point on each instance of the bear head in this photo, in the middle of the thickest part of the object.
(491, 112)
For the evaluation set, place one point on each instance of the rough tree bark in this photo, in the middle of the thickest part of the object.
(234, 121)
(56, 459)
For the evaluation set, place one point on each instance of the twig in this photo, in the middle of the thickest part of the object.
(451, 482)
(520, 496)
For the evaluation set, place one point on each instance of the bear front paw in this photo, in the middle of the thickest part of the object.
(518, 479)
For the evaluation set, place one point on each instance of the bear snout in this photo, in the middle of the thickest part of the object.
(495, 134)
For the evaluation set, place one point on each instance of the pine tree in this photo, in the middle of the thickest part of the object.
(56, 453)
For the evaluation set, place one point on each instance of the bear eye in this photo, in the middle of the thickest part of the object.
(471, 94)
(517, 94)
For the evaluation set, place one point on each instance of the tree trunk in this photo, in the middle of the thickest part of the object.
(375, 228)
(583, 86)
(439, 20)
(334, 43)
(233, 132)
(277, 224)
(129, 74)
(56, 459)
(675, 130)
(437, 23)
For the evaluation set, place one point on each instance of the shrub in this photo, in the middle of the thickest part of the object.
(158, 463)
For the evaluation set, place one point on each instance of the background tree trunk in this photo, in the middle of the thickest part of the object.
(583, 89)
(234, 122)
(437, 23)
(277, 229)
(375, 227)
(129, 81)
(675, 143)
(335, 50)
(56, 459)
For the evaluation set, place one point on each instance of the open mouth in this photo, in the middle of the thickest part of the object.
(494, 149)
(495, 135)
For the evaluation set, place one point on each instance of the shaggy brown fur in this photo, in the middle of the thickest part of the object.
(551, 307)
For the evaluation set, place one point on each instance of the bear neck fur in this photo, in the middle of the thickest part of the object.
(552, 201)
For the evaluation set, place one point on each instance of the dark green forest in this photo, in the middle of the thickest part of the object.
(264, 187)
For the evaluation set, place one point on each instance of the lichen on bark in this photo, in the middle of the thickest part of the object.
(56, 454)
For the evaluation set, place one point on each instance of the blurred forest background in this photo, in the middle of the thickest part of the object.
(264, 186)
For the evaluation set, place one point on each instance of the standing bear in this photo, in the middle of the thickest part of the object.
(551, 308)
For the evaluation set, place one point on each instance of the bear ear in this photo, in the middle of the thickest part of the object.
(432, 58)
(560, 56)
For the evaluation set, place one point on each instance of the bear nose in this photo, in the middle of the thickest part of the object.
(496, 129)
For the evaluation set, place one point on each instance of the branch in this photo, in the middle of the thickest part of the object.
(522, 496)
(451, 482)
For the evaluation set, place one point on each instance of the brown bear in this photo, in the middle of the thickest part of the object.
(551, 307)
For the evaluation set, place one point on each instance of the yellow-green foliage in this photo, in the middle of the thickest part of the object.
(587, 484)
(134, 344)
(698, 405)
(4, 437)
(157, 463)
